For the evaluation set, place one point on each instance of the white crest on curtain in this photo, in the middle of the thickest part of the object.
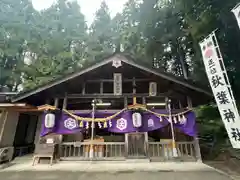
(49, 120)
(137, 119)
(70, 123)
(150, 123)
(121, 124)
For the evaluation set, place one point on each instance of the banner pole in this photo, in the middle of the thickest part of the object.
(174, 150)
(91, 152)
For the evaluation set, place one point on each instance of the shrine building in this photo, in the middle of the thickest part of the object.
(116, 109)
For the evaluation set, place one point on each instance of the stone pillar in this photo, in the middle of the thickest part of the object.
(8, 128)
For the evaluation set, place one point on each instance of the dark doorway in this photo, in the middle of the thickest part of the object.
(25, 134)
(136, 145)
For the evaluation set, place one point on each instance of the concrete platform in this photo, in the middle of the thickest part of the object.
(22, 169)
(108, 166)
(127, 175)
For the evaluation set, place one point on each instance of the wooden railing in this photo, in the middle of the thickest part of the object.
(162, 151)
(100, 151)
(159, 151)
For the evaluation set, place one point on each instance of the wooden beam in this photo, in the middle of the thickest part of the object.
(90, 111)
(111, 95)
(124, 80)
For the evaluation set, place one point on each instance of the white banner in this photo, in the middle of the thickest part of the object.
(117, 84)
(236, 12)
(221, 88)
(152, 89)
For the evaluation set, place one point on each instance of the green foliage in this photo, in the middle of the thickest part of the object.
(213, 136)
(209, 120)
(164, 34)
(59, 48)
(37, 47)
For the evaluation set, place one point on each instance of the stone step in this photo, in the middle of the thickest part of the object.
(145, 160)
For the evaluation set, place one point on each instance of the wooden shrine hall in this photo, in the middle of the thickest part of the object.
(116, 109)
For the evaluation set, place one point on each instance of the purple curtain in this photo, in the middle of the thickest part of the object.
(123, 123)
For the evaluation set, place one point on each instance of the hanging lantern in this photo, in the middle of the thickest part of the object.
(49, 120)
(137, 119)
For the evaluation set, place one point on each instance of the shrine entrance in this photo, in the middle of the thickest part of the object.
(105, 112)
(136, 145)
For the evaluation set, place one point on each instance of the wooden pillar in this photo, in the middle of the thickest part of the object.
(126, 145)
(144, 100)
(83, 88)
(134, 91)
(64, 107)
(166, 101)
(56, 102)
(196, 140)
(180, 104)
(65, 102)
(146, 143)
(189, 102)
(101, 87)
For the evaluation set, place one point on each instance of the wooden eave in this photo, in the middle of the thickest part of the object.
(17, 106)
(124, 59)
(23, 107)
